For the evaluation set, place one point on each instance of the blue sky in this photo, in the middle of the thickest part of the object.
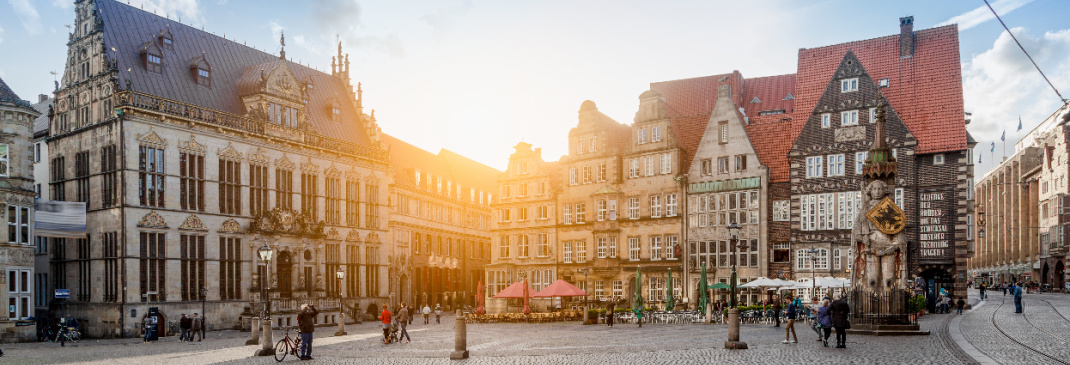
(476, 77)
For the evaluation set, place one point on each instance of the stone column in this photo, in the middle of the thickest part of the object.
(254, 329)
(266, 348)
(733, 342)
(341, 321)
(460, 338)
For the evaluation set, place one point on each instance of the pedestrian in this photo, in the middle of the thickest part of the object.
(198, 324)
(982, 288)
(1004, 287)
(306, 318)
(1017, 288)
(427, 314)
(403, 320)
(609, 314)
(185, 323)
(438, 314)
(840, 311)
(146, 328)
(776, 310)
(789, 327)
(385, 317)
(824, 322)
(411, 311)
(960, 304)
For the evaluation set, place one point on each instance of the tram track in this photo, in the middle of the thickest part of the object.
(1020, 343)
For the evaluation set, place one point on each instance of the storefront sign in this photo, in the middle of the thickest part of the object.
(725, 185)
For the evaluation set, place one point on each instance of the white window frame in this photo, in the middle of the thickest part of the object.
(633, 208)
(633, 168)
(849, 85)
(814, 168)
(849, 117)
(860, 160)
(591, 146)
(670, 205)
(21, 227)
(581, 213)
(600, 247)
(655, 133)
(602, 209)
(5, 160)
(20, 290)
(568, 214)
(826, 120)
(642, 135)
(938, 159)
(836, 165)
(802, 259)
(872, 115)
(523, 246)
(567, 252)
(670, 246)
(655, 206)
(634, 249)
(649, 165)
(781, 210)
(572, 176)
(503, 247)
(666, 163)
(655, 248)
(581, 251)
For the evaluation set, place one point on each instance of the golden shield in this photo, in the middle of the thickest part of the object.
(888, 218)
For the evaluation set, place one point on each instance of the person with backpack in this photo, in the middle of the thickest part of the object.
(789, 327)
(824, 322)
(839, 311)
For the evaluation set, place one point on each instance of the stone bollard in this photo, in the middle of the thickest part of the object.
(254, 328)
(266, 348)
(709, 314)
(733, 342)
(460, 338)
(341, 324)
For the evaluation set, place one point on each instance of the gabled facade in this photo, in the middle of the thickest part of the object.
(525, 226)
(726, 184)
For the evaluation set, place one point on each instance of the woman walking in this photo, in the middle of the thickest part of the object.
(824, 321)
(609, 314)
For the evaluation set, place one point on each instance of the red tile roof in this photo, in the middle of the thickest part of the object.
(769, 139)
(690, 102)
(447, 164)
(772, 91)
(925, 90)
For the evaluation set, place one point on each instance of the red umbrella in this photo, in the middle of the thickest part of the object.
(561, 288)
(514, 291)
(527, 310)
(479, 298)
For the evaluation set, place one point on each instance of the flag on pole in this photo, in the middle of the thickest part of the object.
(993, 147)
(1004, 136)
(979, 158)
(1019, 123)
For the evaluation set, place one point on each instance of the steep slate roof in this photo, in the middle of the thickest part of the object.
(470, 173)
(40, 125)
(925, 90)
(448, 165)
(127, 29)
(8, 96)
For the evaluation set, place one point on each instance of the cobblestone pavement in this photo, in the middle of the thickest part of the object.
(574, 343)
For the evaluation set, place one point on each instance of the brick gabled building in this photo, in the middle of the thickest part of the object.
(918, 75)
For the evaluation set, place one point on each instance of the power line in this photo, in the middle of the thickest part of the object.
(1024, 51)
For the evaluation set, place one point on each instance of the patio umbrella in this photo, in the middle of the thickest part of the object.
(762, 282)
(670, 301)
(560, 288)
(513, 291)
(720, 286)
(527, 309)
(703, 299)
(637, 304)
(479, 298)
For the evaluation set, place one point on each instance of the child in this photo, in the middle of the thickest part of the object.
(961, 304)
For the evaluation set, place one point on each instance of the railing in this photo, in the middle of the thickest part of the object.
(222, 119)
(889, 308)
(293, 304)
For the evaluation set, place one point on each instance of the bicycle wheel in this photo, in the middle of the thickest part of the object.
(281, 349)
(75, 336)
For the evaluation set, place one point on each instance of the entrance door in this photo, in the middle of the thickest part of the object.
(285, 267)
(1044, 278)
(936, 279)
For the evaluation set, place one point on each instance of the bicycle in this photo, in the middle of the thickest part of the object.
(287, 345)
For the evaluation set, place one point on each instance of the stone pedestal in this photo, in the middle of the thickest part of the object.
(266, 345)
(709, 313)
(254, 329)
(460, 339)
(341, 325)
(733, 342)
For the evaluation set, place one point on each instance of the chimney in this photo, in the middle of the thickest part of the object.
(906, 37)
(42, 98)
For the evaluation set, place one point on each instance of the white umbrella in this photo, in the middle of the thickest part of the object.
(764, 282)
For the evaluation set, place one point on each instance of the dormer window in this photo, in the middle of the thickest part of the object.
(201, 72)
(204, 77)
(152, 57)
(336, 114)
(166, 40)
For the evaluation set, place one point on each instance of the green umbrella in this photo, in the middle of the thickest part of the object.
(670, 302)
(720, 286)
(703, 299)
(637, 304)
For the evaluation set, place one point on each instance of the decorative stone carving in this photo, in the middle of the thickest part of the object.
(152, 139)
(333, 234)
(284, 163)
(281, 221)
(353, 175)
(152, 220)
(258, 157)
(193, 223)
(372, 238)
(192, 146)
(231, 226)
(353, 236)
(333, 172)
(856, 133)
(16, 256)
(229, 153)
(309, 167)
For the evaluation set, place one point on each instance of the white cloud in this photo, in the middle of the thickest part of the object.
(342, 18)
(63, 4)
(276, 29)
(982, 14)
(27, 15)
(1000, 84)
(443, 20)
(187, 10)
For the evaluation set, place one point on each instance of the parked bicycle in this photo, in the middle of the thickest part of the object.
(287, 345)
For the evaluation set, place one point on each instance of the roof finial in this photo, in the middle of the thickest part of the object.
(282, 41)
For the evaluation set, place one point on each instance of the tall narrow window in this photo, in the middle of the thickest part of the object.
(670, 205)
(633, 208)
(503, 247)
(353, 203)
(334, 196)
(308, 195)
(666, 163)
(191, 262)
(352, 271)
(633, 248)
(372, 196)
(152, 259)
(229, 186)
(111, 266)
(284, 188)
(109, 169)
(150, 176)
(522, 246)
(655, 206)
(581, 213)
(581, 252)
(230, 261)
(5, 157)
(655, 247)
(81, 175)
(258, 189)
(191, 188)
(18, 225)
(85, 273)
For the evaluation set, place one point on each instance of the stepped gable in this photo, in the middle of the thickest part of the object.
(690, 102)
(925, 89)
(127, 29)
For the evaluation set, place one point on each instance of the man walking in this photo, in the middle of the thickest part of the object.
(185, 324)
(1004, 287)
(403, 321)
(789, 328)
(776, 310)
(305, 320)
(839, 311)
(197, 325)
(438, 314)
(147, 325)
(427, 314)
(1017, 289)
(982, 288)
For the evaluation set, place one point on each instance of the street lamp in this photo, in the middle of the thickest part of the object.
(733, 312)
(265, 253)
(204, 315)
(813, 272)
(340, 274)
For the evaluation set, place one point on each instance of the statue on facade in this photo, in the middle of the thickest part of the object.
(877, 237)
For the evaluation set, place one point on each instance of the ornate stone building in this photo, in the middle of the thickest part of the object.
(1053, 136)
(525, 226)
(16, 252)
(440, 217)
(192, 152)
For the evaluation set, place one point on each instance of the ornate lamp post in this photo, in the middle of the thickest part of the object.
(204, 315)
(266, 253)
(733, 312)
(340, 274)
(813, 272)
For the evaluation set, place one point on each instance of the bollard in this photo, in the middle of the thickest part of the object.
(460, 338)
(254, 327)
(266, 348)
(341, 324)
(733, 342)
(709, 313)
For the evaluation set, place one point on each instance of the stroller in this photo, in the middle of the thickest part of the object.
(393, 334)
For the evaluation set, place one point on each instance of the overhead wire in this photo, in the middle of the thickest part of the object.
(1026, 52)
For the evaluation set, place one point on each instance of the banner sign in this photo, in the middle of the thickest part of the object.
(59, 219)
